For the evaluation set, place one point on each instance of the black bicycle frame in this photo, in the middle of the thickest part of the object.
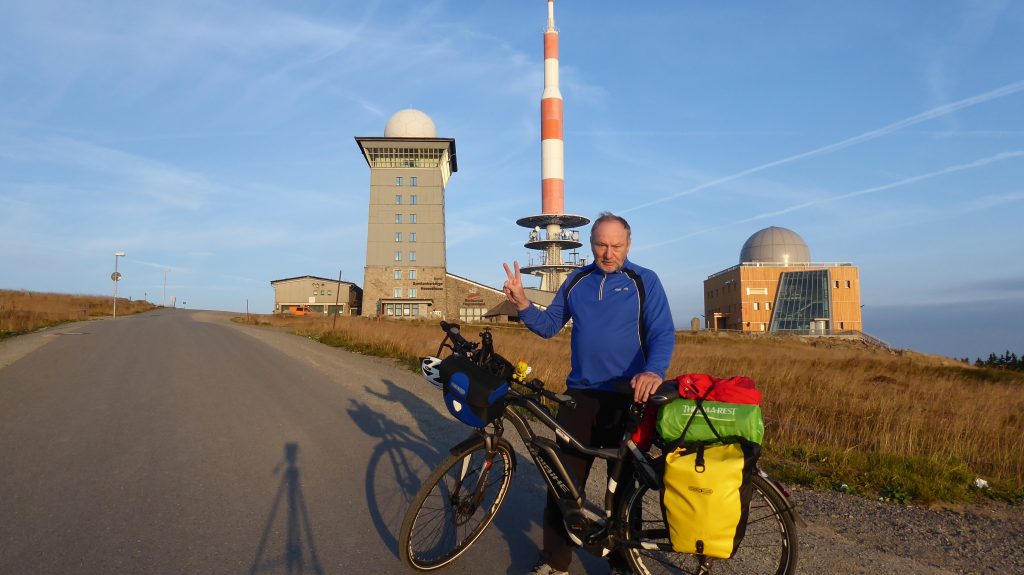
(546, 455)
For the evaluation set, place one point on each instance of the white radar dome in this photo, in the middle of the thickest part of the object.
(775, 245)
(410, 123)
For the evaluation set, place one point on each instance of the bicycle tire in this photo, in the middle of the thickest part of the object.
(768, 548)
(442, 523)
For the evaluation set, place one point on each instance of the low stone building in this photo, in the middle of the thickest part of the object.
(312, 294)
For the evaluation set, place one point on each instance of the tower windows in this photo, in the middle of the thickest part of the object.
(398, 180)
(412, 180)
(412, 292)
(398, 256)
(398, 218)
(412, 218)
(412, 274)
(412, 256)
(397, 292)
(398, 236)
(398, 274)
(412, 236)
(398, 199)
(412, 199)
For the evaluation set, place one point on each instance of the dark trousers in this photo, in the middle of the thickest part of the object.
(597, 421)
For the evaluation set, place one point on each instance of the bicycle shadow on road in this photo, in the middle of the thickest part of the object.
(405, 457)
(401, 458)
(299, 547)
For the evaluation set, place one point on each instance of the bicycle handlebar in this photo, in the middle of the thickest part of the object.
(538, 387)
(667, 392)
(452, 329)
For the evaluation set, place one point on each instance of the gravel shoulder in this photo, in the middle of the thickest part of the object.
(849, 534)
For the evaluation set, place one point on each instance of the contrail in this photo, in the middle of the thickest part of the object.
(156, 265)
(873, 134)
(905, 181)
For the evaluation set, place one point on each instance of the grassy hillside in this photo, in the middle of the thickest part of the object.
(840, 414)
(24, 311)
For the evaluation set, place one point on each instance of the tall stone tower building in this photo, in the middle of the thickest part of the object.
(405, 244)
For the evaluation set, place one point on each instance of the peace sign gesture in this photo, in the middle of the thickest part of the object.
(514, 291)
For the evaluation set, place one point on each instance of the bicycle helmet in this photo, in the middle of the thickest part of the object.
(429, 366)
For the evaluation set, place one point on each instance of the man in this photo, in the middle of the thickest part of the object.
(622, 333)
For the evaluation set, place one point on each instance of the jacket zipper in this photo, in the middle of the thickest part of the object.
(600, 290)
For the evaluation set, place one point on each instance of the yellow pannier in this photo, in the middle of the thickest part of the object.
(706, 496)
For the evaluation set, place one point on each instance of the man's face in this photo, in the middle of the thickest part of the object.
(610, 243)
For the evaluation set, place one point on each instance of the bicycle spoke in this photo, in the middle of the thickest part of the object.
(454, 506)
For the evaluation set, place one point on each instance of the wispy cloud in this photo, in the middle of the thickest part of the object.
(157, 265)
(946, 54)
(933, 113)
(891, 185)
(170, 186)
(872, 190)
(993, 287)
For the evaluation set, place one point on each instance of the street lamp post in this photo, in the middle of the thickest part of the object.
(165, 287)
(116, 277)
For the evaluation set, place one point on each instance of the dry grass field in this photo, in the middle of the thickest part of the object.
(24, 311)
(840, 414)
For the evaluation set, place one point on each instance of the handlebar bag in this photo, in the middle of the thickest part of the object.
(472, 394)
(707, 495)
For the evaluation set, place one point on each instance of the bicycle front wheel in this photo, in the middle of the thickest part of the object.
(768, 548)
(455, 505)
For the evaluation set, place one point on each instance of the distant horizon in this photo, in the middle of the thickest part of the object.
(935, 335)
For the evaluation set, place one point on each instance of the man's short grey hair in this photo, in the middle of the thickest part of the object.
(609, 217)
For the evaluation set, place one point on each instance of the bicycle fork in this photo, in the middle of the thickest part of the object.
(468, 505)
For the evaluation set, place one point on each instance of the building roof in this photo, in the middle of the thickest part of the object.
(775, 245)
(539, 297)
(449, 143)
(329, 280)
(504, 308)
(469, 281)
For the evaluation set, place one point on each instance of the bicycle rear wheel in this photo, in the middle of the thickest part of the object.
(455, 505)
(768, 548)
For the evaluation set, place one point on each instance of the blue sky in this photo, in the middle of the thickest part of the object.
(215, 139)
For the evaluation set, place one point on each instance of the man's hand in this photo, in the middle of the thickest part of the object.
(644, 385)
(514, 291)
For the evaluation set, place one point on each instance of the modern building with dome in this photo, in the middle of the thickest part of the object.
(406, 270)
(778, 288)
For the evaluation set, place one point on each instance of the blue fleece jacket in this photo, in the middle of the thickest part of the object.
(610, 344)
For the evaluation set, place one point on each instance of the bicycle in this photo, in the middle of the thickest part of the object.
(459, 500)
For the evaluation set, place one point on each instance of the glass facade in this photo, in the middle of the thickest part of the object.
(405, 157)
(803, 303)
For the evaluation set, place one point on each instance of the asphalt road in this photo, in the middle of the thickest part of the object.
(178, 442)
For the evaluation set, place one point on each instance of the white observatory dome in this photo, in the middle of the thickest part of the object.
(775, 245)
(410, 123)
